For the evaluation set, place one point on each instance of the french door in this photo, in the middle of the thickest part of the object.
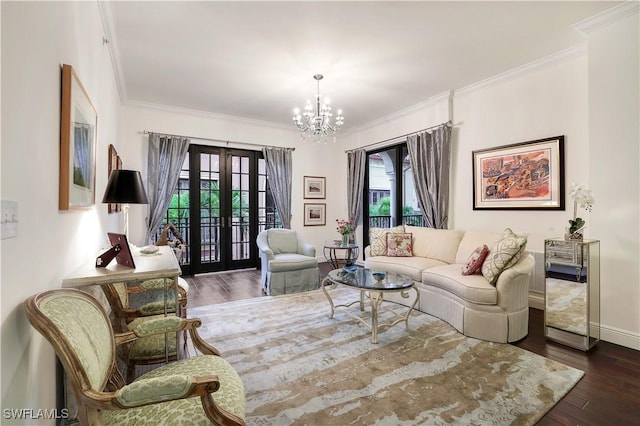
(222, 201)
(223, 185)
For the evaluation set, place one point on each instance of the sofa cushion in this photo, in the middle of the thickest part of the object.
(282, 241)
(399, 245)
(409, 266)
(475, 261)
(472, 288)
(473, 239)
(440, 244)
(291, 262)
(505, 252)
(378, 239)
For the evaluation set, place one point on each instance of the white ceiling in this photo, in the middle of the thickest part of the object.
(256, 60)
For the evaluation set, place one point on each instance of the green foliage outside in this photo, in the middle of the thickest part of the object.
(383, 208)
(178, 212)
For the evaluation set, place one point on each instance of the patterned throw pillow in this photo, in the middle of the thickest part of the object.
(505, 252)
(378, 239)
(399, 245)
(475, 261)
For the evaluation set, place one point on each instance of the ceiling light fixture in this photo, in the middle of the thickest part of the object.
(317, 124)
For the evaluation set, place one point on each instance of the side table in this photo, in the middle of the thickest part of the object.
(348, 253)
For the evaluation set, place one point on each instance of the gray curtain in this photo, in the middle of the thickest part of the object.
(164, 162)
(278, 162)
(430, 159)
(356, 162)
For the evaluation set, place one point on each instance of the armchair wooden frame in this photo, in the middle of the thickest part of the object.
(100, 392)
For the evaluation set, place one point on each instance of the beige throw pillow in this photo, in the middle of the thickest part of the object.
(378, 239)
(504, 253)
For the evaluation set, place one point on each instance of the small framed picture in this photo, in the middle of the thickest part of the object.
(315, 214)
(314, 187)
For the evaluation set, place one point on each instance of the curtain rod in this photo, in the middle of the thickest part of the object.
(447, 123)
(148, 132)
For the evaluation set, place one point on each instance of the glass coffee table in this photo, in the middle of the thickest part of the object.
(373, 285)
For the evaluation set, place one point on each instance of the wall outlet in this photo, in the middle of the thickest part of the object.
(8, 219)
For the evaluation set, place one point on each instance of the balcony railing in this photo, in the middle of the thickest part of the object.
(385, 221)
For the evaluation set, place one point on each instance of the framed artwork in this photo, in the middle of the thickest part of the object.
(314, 187)
(525, 176)
(315, 214)
(115, 163)
(78, 132)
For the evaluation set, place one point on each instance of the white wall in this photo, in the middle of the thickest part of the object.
(36, 39)
(614, 164)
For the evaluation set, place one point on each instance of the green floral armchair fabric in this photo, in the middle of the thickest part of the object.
(199, 390)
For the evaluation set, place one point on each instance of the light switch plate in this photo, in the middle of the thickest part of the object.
(8, 219)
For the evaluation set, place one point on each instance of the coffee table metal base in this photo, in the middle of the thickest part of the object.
(376, 297)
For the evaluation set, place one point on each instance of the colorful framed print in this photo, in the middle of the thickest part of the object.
(525, 176)
(314, 187)
(78, 132)
(315, 214)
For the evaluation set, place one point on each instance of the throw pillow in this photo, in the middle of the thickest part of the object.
(475, 261)
(399, 245)
(504, 253)
(378, 239)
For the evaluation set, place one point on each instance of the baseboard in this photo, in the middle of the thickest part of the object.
(536, 300)
(620, 337)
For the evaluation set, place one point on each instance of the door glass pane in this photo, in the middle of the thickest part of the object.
(381, 189)
(267, 214)
(240, 208)
(209, 208)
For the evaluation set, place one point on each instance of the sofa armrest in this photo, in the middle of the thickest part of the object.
(513, 284)
(367, 251)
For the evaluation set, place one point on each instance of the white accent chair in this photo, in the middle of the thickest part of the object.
(289, 265)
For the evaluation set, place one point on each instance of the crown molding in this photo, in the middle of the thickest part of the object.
(444, 96)
(106, 15)
(608, 16)
(207, 114)
(558, 57)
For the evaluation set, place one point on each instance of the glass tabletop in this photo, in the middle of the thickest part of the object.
(368, 279)
(338, 245)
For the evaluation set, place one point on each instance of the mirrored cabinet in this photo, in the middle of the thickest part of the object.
(572, 292)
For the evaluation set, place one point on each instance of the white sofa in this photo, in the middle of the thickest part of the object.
(470, 303)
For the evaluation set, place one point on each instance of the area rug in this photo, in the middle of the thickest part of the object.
(300, 367)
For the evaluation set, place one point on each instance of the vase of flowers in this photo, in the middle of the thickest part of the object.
(345, 229)
(581, 197)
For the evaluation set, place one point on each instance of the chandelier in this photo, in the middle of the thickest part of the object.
(317, 124)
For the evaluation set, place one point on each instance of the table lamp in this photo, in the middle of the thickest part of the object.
(125, 187)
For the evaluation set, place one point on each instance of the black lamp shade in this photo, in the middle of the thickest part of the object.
(125, 187)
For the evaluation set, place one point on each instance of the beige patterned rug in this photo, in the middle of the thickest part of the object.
(300, 367)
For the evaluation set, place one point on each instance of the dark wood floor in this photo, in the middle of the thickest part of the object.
(608, 394)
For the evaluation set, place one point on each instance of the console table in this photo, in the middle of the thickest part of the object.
(148, 267)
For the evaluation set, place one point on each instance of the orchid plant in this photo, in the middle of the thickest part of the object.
(581, 197)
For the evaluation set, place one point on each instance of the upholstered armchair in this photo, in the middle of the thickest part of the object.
(203, 389)
(289, 265)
